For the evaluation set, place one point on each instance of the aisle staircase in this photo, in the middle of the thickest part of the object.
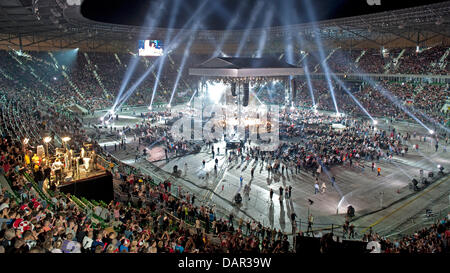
(442, 63)
(396, 61)
(91, 67)
(417, 91)
(360, 56)
(6, 184)
(301, 60)
(326, 59)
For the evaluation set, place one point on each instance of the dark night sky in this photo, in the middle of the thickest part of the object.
(134, 12)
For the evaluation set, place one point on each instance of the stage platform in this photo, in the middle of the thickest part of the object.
(98, 186)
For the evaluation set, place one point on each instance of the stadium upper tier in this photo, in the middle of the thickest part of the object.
(92, 80)
(50, 24)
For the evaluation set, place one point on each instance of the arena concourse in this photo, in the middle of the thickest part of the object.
(259, 133)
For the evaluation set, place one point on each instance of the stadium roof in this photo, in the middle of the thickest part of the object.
(245, 67)
(42, 24)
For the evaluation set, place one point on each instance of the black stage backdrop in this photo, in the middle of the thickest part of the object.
(95, 188)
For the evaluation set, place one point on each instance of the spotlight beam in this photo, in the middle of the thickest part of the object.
(263, 39)
(131, 90)
(248, 27)
(168, 36)
(391, 97)
(321, 53)
(305, 65)
(151, 21)
(394, 100)
(256, 96)
(230, 25)
(176, 42)
(289, 48)
(183, 62)
(430, 119)
(182, 32)
(351, 95)
(178, 38)
(192, 97)
(308, 81)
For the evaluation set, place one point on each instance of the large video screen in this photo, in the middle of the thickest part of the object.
(150, 48)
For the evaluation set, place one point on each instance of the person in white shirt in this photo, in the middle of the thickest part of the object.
(57, 168)
(87, 241)
(57, 247)
(316, 188)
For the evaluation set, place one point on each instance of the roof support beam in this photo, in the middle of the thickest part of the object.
(440, 33)
(76, 42)
(400, 35)
(360, 35)
(50, 38)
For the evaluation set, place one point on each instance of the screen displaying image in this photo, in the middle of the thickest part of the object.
(150, 48)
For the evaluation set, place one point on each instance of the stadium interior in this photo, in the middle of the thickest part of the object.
(356, 107)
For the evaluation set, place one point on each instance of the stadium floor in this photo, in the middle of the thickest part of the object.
(386, 202)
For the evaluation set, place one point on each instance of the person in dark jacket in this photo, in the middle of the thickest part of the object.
(39, 177)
